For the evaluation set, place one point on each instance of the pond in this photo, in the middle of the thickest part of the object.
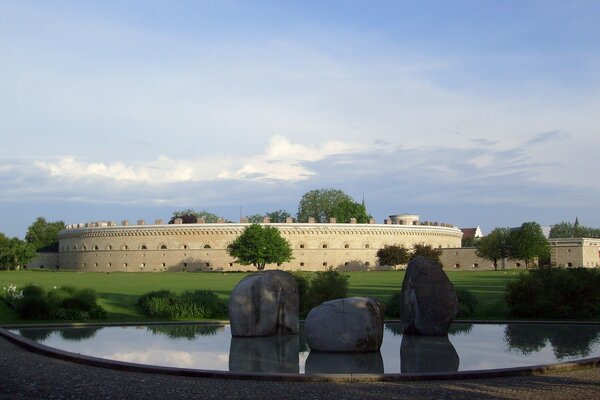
(210, 347)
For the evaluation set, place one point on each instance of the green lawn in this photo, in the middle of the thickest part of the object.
(118, 292)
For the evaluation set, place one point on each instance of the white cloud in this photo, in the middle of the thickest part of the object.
(282, 160)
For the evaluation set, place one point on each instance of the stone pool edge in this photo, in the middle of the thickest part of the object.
(153, 369)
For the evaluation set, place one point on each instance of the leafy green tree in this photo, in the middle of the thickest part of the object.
(278, 216)
(393, 255)
(259, 246)
(568, 230)
(43, 235)
(14, 252)
(494, 246)
(323, 204)
(189, 216)
(256, 218)
(527, 243)
(426, 250)
(469, 241)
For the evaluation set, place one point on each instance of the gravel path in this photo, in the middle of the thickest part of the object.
(26, 375)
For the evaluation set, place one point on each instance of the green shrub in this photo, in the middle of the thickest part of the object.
(393, 305)
(315, 288)
(190, 304)
(555, 293)
(65, 303)
(467, 302)
(33, 304)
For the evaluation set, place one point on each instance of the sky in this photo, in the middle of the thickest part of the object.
(465, 112)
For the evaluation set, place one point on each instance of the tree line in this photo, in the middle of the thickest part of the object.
(41, 236)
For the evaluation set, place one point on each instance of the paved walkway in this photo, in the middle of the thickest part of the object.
(26, 375)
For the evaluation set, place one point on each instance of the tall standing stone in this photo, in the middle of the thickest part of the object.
(429, 301)
(264, 304)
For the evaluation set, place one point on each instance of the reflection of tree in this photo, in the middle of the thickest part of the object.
(396, 328)
(525, 338)
(457, 329)
(77, 334)
(566, 340)
(37, 335)
(572, 341)
(188, 332)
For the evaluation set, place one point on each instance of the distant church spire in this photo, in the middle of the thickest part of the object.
(576, 224)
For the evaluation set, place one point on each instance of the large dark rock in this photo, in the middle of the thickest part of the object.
(353, 324)
(429, 301)
(264, 304)
(267, 354)
(427, 354)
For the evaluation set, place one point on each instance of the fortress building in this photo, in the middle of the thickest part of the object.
(106, 246)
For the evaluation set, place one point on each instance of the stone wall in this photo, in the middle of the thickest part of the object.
(44, 260)
(203, 247)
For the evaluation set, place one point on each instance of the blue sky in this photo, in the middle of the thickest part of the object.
(476, 112)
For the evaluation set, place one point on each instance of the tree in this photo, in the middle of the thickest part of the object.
(43, 235)
(190, 216)
(393, 255)
(278, 216)
(568, 230)
(259, 246)
(426, 250)
(527, 243)
(323, 204)
(256, 218)
(15, 252)
(494, 246)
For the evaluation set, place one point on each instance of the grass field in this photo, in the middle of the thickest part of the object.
(118, 292)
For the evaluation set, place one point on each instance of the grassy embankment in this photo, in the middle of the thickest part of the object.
(118, 292)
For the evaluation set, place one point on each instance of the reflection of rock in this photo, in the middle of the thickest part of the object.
(422, 354)
(429, 301)
(271, 354)
(350, 324)
(264, 304)
(344, 363)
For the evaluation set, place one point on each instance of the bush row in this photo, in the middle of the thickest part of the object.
(65, 303)
(555, 293)
(315, 288)
(467, 303)
(190, 304)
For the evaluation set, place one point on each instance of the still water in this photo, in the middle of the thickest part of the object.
(467, 347)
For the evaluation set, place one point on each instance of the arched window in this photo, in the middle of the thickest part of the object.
(109, 247)
(301, 245)
(163, 247)
(96, 247)
(207, 246)
(346, 246)
(143, 247)
(324, 246)
(367, 246)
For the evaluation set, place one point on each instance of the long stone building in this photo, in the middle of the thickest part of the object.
(106, 246)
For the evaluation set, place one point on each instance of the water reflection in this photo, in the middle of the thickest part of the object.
(71, 334)
(566, 340)
(344, 363)
(270, 354)
(423, 354)
(189, 332)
